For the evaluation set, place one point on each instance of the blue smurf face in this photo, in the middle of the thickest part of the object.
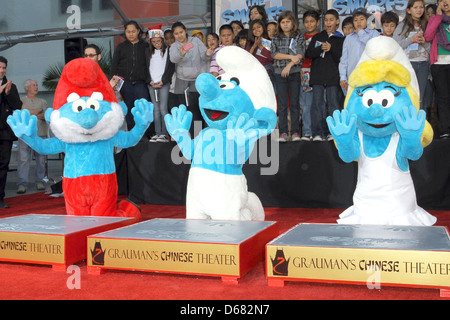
(85, 111)
(376, 105)
(220, 99)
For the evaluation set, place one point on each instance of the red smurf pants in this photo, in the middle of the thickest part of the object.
(96, 195)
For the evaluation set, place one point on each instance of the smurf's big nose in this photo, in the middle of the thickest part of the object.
(88, 118)
(208, 86)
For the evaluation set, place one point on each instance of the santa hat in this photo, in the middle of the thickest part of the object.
(84, 77)
(156, 32)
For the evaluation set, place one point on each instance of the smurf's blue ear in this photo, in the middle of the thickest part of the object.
(124, 107)
(47, 114)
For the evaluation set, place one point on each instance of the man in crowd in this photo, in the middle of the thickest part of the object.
(9, 101)
(37, 107)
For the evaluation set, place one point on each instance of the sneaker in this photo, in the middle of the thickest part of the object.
(40, 186)
(153, 139)
(306, 137)
(21, 189)
(330, 137)
(3, 205)
(318, 138)
(162, 138)
(444, 136)
(295, 137)
(283, 138)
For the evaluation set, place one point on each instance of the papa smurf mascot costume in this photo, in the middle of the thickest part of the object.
(239, 107)
(382, 128)
(85, 120)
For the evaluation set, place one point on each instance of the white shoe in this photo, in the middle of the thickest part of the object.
(306, 138)
(318, 138)
(153, 139)
(330, 137)
(283, 137)
(162, 138)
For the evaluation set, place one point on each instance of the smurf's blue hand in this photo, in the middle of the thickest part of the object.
(343, 128)
(24, 127)
(178, 119)
(22, 124)
(241, 135)
(410, 124)
(241, 130)
(142, 113)
(178, 123)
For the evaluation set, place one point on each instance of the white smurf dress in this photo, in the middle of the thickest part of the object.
(384, 193)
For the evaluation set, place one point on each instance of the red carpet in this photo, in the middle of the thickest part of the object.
(21, 281)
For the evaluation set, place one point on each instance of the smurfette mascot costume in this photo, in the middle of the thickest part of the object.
(85, 120)
(382, 128)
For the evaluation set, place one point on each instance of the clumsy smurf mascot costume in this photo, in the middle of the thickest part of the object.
(239, 107)
(85, 120)
(382, 128)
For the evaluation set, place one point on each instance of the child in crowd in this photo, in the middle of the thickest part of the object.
(347, 26)
(311, 21)
(161, 72)
(389, 22)
(189, 56)
(438, 32)
(212, 41)
(258, 13)
(169, 39)
(226, 37)
(258, 44)
(325, 51)
(287, 48)
(410, 35)
(271, 29)
(354, 45)
(237, 27)
(241, 39)
(430, 10)
(199, 34)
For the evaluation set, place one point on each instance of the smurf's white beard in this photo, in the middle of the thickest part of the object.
(70, 132)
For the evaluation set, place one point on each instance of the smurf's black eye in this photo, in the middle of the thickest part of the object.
(235, 80)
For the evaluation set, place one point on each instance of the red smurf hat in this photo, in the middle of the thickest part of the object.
(83, 77)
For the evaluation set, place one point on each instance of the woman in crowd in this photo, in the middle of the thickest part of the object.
(131, 62)
(161, 71)
(288, 49)
(190, 58)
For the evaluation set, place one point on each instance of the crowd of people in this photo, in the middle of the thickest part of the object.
(309, 70)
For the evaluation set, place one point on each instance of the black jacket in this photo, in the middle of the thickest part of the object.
(325, 70)
(131, 61)
(8, 103)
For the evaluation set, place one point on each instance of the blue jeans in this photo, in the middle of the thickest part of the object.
(422, 70)
(288, 88)
(23, 164)
(132, 91)
(160, 107)
(320, 110)
(305, 105)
